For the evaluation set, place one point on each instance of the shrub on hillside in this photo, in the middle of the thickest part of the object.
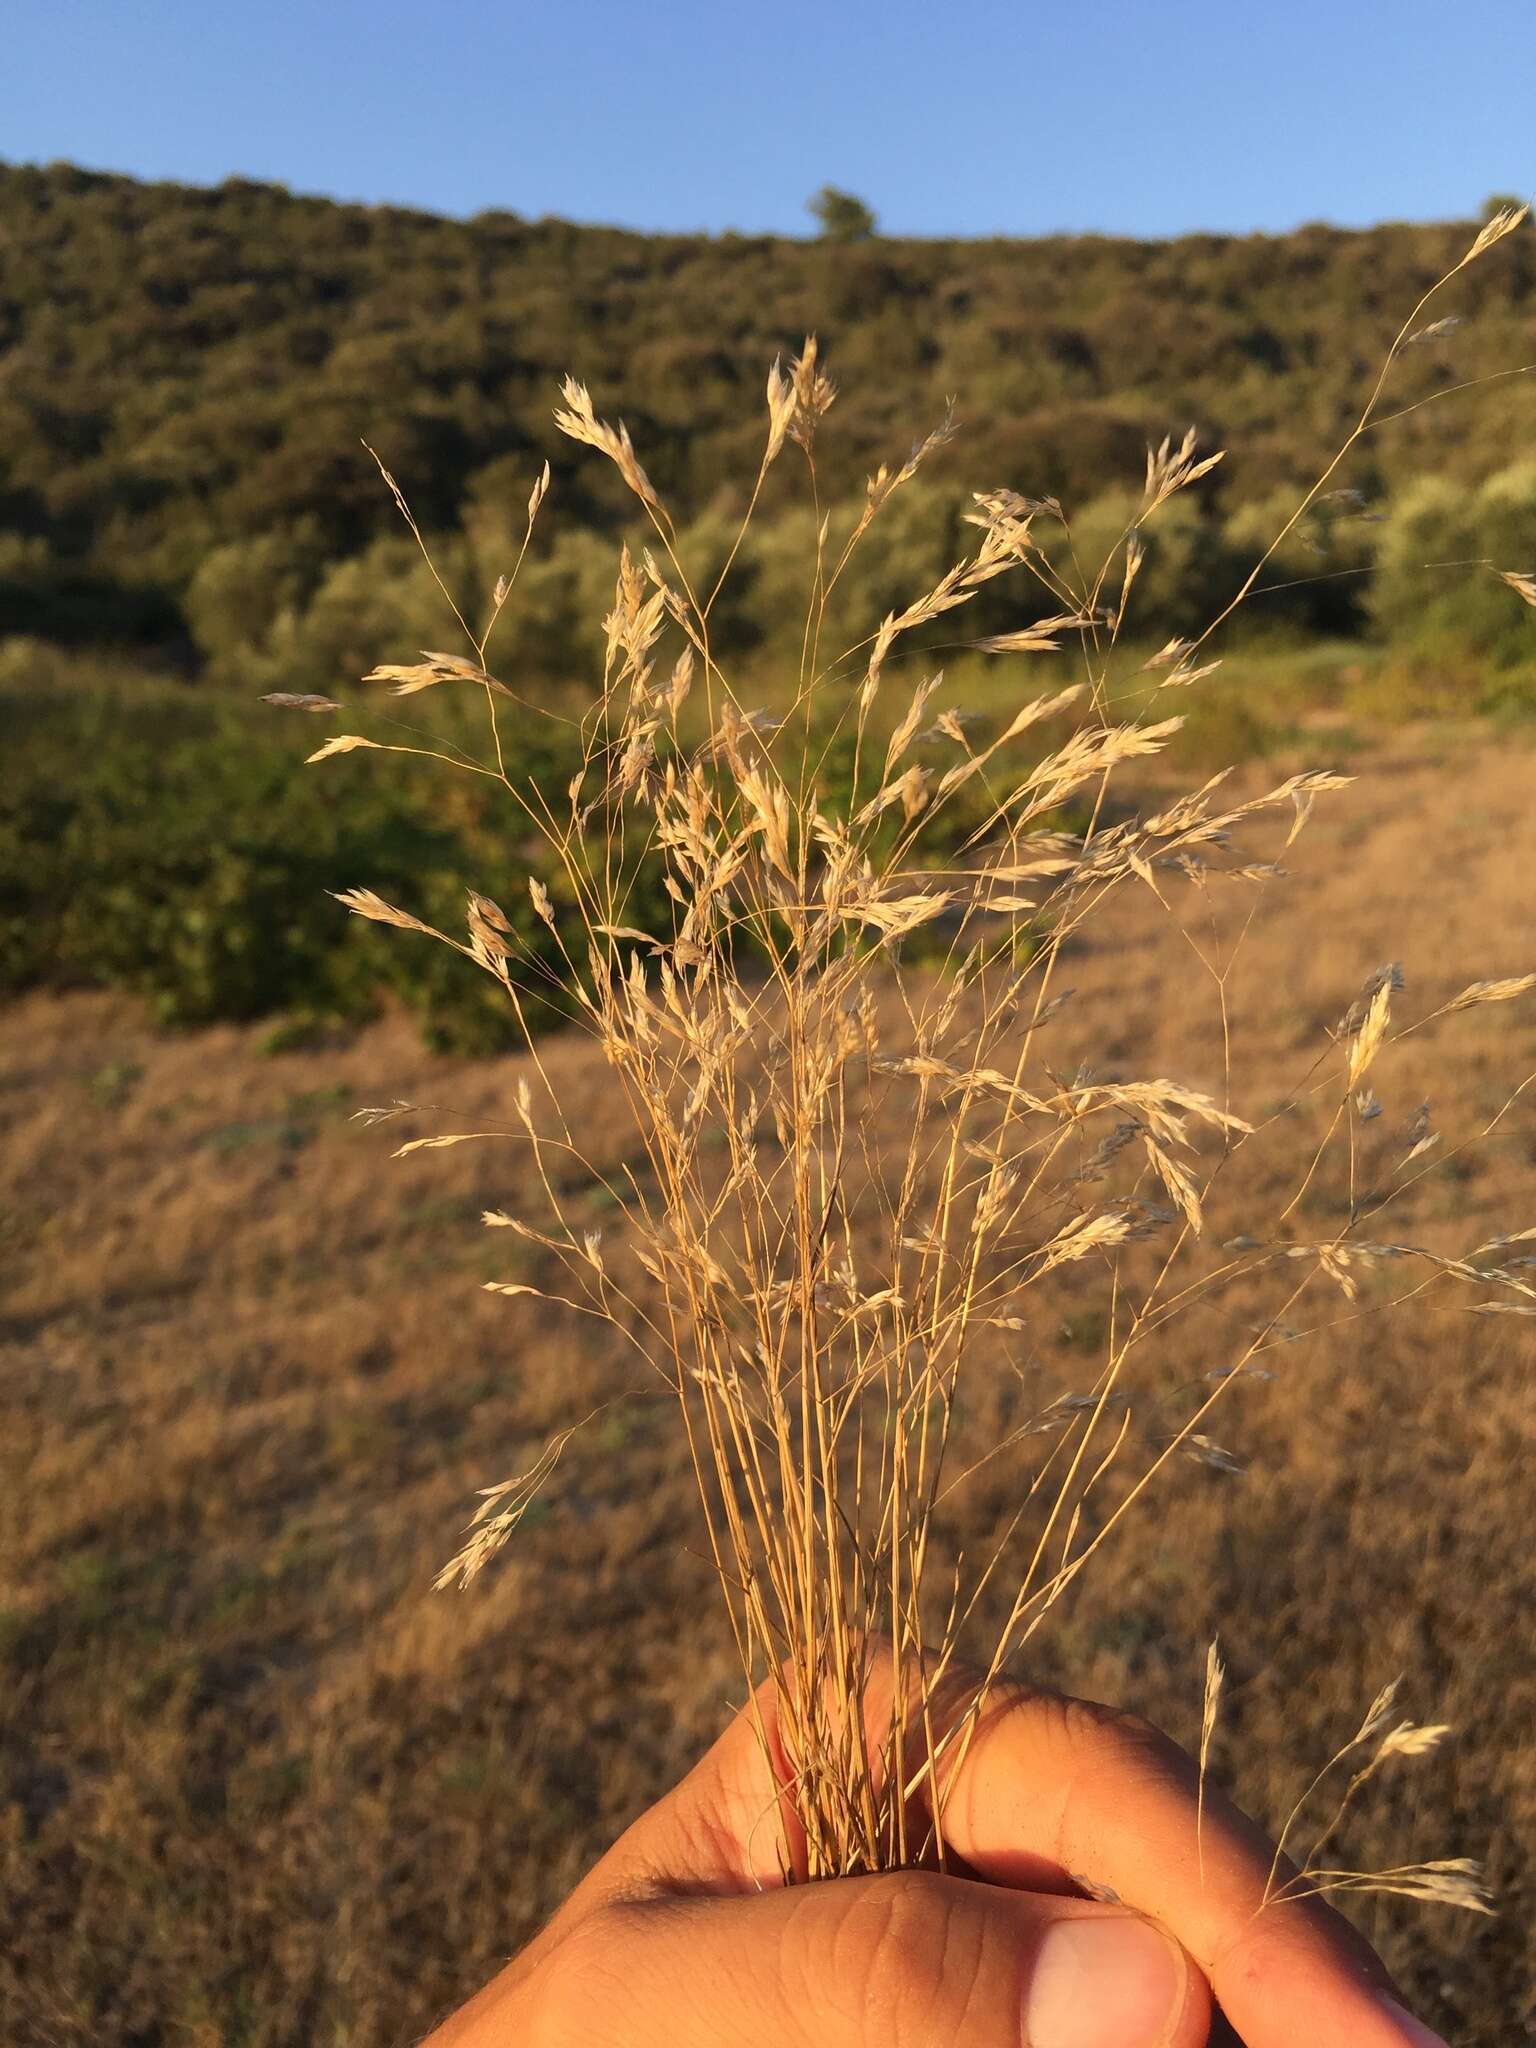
(166, 841)
(240, 591)
(1187, 572)
(172, 849)
(1436, 590)
(1317, 581)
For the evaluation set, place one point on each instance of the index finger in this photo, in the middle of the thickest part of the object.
(1049, 1791)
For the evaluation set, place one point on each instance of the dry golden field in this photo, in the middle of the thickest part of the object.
(259, 1784)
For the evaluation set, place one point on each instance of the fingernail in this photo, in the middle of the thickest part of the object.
(1414, 2032)
(1111, 1982)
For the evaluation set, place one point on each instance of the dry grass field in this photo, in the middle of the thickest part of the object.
(259, 1784)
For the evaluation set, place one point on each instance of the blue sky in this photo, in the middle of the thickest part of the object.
(1019, 118)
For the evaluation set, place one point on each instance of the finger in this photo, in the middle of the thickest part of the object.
(1052, 1795)
(1059, 1791)
(907, 1960)
(725, 1827)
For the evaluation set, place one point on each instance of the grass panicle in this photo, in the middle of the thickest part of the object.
(820, 1300)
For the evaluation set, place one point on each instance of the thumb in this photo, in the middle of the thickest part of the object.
(909, 1960)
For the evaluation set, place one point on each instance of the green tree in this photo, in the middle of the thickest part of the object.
(241, 591)
(842, 217)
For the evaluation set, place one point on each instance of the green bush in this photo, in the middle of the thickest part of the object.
(170, 841)
(1316, 584)
(1188, 572)
(177, 847)
(1443, 611)
(381, 605)
(241, 590)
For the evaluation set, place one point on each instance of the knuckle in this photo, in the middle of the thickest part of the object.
(1094, 1734)
(1108, 1753)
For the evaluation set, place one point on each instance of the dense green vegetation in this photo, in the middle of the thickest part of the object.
(188, 517)
(176, 847)
(189, 373)
(178, 850)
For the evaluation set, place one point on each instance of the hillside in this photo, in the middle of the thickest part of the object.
(260, 1785)
(185, 370)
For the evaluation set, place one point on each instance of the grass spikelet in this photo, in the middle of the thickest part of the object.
(1210, 1712)
(341, 743)
(578, 419)
(1503, 221)
(288, 700)
(1503, 991)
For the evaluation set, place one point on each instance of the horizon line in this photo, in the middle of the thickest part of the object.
(808, 237)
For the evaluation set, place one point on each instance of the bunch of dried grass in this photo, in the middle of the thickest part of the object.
(815, 1297)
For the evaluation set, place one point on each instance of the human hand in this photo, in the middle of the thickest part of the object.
(684, 1936)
